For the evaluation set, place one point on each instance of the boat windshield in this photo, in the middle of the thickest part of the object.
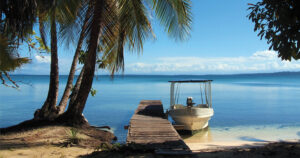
(199, 90)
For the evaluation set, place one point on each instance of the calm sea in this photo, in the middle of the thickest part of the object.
(266, 102)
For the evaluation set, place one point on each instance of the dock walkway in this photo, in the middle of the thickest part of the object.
(148, 127)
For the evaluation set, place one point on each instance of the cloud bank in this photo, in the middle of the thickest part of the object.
(258, 62)
(40, 65)
(42, 59)
(261, 61)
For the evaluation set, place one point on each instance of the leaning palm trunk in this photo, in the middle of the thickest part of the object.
(74, 112)
(49, 110)
(64, 100)
(76, 87)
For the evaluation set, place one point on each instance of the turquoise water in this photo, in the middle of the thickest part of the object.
(258, 100)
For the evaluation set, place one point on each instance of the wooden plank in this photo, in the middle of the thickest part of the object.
(151, 133)
(149, 127)
(179, 127)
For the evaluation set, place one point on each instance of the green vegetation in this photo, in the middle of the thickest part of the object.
(117, 147)
(16, 23)
(106, 27)
(130, 27)
(279, 23)
(93, 92)
(72, 136)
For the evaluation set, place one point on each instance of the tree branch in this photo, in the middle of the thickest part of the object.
(15, 85)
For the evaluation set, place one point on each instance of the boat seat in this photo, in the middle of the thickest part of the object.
(202, 105)
(178, 106)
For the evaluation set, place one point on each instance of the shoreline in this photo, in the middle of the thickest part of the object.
(240, 137)
(228, 145)
(224, 145)
(51, 142)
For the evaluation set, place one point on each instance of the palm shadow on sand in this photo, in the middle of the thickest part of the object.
(252, 139)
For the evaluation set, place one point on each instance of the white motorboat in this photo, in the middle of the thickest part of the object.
(192, 116)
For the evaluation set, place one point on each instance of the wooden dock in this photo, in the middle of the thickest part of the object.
(149, 127)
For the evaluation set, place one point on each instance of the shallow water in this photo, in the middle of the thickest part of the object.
(253, 133)
(265, 103)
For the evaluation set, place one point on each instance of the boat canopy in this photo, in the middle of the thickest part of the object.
(204, 97)
(186, 81)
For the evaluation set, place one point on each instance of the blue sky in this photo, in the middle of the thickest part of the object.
(222, 42)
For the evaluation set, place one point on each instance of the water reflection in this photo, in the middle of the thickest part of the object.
(201, 136)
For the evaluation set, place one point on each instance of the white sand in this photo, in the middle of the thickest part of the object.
(240, 137)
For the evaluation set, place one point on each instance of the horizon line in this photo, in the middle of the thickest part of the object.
(254, 73)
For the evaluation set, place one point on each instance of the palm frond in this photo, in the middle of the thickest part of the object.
(130, 27)
(67, 10)
(64, 13)
(9, 59)
(135, 22)
(175, 15)
(68, 32)
(17, 18)
(42, 32)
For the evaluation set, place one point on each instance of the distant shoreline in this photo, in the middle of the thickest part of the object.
(237, 74)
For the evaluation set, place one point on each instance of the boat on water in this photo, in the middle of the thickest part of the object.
(192, 116)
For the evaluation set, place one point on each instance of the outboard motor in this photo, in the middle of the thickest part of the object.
(189, 102)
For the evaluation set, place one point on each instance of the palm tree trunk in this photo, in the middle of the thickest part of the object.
(64, 100)
(49, 110)
(74, 112)
(76, 87)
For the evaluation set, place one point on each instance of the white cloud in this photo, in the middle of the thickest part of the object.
(265, 55)
(261, 61)
(41, 66)
(42, 59)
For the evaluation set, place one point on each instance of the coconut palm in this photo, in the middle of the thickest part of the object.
(133, 28)
(69, 85)
(9, 61)
(16, 22)
(113, 24)
(53, 12)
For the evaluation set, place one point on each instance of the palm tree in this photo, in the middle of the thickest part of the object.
(69, 85)
(133, 28)
(112, 25)
(74, 111)
(16, 22)
(53, 11)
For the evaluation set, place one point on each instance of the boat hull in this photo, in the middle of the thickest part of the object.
(193, 118)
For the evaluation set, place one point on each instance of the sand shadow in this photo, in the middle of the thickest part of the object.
(20, 145)
(252, 139)
(280, 149)
(173, 148)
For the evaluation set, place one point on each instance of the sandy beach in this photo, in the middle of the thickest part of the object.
(53, 142)
(215, 146)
